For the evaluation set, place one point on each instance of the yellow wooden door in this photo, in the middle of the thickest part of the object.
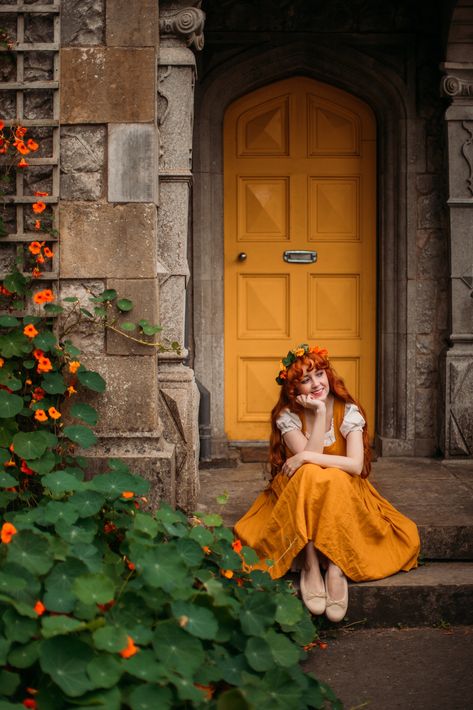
(300, 175)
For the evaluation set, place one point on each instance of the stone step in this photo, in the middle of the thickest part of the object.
(436, 593)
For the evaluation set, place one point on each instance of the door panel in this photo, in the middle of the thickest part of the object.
(299, 175)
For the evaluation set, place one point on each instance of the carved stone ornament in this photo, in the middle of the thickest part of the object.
(187, 23)
(453, 86)
(467, 150)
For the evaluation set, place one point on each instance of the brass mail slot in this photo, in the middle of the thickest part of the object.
(300, 256)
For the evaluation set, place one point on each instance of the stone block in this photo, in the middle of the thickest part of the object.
(130, 401)
(87, 338)
(173, 219)
(132, 162)
(107, 85)
(82, 162)
(144, 294)
(132, 23)
(432, 254)
(101, 240)
(82, 22)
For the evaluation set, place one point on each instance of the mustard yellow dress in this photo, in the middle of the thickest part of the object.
(345, 516)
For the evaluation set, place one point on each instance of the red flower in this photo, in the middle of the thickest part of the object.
(130, 649)
(22, 163)
(26, 469)
(38, 207)
(7, 532)
(30, 703)
(236, 544)
(39, 608)
(32, 145)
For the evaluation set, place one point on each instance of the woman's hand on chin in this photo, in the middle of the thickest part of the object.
(308, 401)
(292, 464)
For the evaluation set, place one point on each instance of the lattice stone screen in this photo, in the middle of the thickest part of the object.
(29, 95)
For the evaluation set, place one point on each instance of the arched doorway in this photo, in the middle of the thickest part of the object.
(300, 242)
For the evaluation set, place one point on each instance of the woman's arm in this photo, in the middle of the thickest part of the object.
(295, 439)
(352, 463)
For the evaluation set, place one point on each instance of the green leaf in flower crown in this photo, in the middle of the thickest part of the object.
(61, 482)
(66, 659)
(176, 649)
(56, 625)
(124, 305)
(45, 341)
(143, 697)
(196, 620)
(81, 435)
(10, 404)
(94, 588)
(104, 670)
(85, 412)
(53, 383)
(30, 551)
(110, 638)
(92, 380)
(87, 503)
(29, 445)
(7, 481)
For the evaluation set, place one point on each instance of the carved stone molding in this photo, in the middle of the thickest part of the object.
(467, 152)
(453, 86)
(187, 23)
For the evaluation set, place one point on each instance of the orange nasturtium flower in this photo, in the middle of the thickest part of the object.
(30, 331)
(36, 273)
(26, 469)
(20, 131)
(35, 247)
(228, 573)
(207, 690)
(71, 390)
(2, 362)
(74, 366)
(236, 544)
(44, 296)
(44, 365)
(39, 608)
(7, 532)
(21, 147)
(37, 224)
(39, 207)
(130, 649)
(206, 549)
(32, 145)
(41, 194)
(2, 125)
(40, 415)
(37, 353)
(127, 494)
(53, 413)
(30, 703)
(23, 164)
(48, 253)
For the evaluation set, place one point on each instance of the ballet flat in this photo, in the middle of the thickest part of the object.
(314, 601)
(336, 610)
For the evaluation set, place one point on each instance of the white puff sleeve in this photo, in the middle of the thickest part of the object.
(352, 420)
(288, 421)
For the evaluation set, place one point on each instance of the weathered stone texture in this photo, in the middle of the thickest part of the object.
(101, 240)
(144, 295)
(82, 22)
(88, 339)
(107, 85)
(39, 28)
(39, 66)
(130, 401)
(38, 104)
(132, 23)
(83, 162)
(132, 162)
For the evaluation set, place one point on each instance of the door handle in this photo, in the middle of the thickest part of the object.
(242, 256)
(300, 256)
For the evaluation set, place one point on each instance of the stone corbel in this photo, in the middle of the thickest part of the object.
(453, 86)
(187, 22)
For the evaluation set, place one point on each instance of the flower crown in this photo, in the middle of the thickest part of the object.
(293, 355)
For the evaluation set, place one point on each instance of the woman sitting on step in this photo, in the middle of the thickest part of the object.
(319, 502)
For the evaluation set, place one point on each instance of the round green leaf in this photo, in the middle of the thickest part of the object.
(232, 700)
(45, 341)
(110, 638)
(83, 531)
(8, 321)
(190, 552)
(53, 383)
(258, 654)
(257, 614)
(113, 484)
(176, 649)
(196, 620)
(104, 671)
(91, 380)
(162, 567)
(10, 404)
(87, 503)
(61, 482)
(143, 665)
(284, 652)
(18, 628)
(31, 552)
(81, 435)
(55, 625)
(29, 445)
(85, 412)
(25, 655)
(128, 326)
(66, 659)
(9, 682)
(7, 481)
(124, 305)
(94, 588)
(108, 295)
(53, 309)
(150, 697)
(289, 609)
(45, 463)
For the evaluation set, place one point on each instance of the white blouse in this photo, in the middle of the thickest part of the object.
(352, 421)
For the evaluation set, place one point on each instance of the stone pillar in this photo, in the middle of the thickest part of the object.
(457, 84)
(108, 215)
(181, 27)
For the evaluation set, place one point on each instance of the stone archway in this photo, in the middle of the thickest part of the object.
(388, 96)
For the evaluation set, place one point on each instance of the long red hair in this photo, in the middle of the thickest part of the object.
(287, 400)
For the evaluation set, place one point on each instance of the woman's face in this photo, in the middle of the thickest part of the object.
(314, 383)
